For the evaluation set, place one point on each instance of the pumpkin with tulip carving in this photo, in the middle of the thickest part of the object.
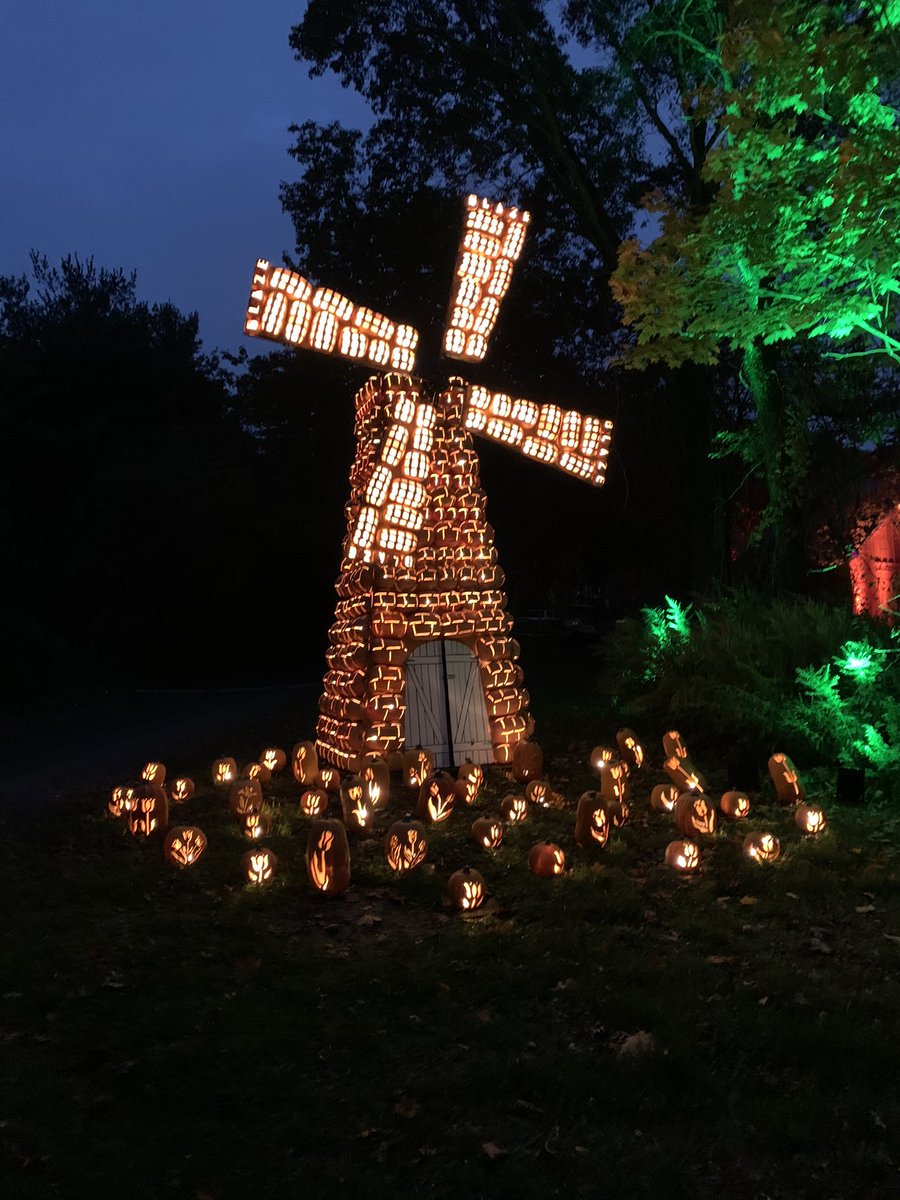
(181, 790)
(547, 859)
(527, 761)
(761, 847)
(376, 781)
(405, 845)
(630, 748)
(810, 819)
(591, 821)
(694, 814)
(273, 759)
(154, 772)
(418, 765)
(224, 770)
(487, 832)
(149, 813)
(328, 857)
(358, 814)
(683, 855)
(663, 797)
(314, 802)
(436, 797)
(514, 808)
(788, 786)
(305, 762)
(469, 779)
(259, 866)
(256, 825)
(184, 845)
(466, 889)
(245, 796)
(735, 805)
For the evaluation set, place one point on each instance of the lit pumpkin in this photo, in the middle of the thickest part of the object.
(630, 748)
(694, 814)
(259, 866)
(436, 797)
(527, 761)
(314, 802)
(514, 808)
(466, 889)
(683, 855)
(684, 774)
(663, 797)
(788, 786)
(469, 779)
(405, 845)
(150, 810)
(273, 759)
(547, 859)
(256, 770)
(591, 820)
(537, 791)
(256, 825)
(328, 857)
(761, 847)
(184, 845)
(245, 796)
(810, 819)
(673, 745)
(376, 780)
(328, 778)
(487, 832)
(224, 770)
(418, 765)
(305, 762)
(358, 815)
(735, 805)
(154, 772)
(116, 802)
(614, 781)
(600, 756)
(181, 790)
(618, 812)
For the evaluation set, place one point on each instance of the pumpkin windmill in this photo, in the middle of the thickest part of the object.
(421, 649)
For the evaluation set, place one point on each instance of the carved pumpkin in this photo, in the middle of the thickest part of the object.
(150, 811)
(181, 790)
(184, 844)
(314, 802)
(810, 819)
(116, 802)
(514, 808)
(684, 774)
(600, 756)
(547, 859)
(154, 772)
(376, 781)
(418, 765)
(328, 778)
(630, 748)
(735, 805)
(436, 797)
(694, 814)
(469, 779)
(673, 745)
(614, 781)
(305, 762)
(273, 759)
(487, 832)
(527, 761)
(328, 857)
(683, 855)
(259, 865)
(537, 791)
(405, 845)
(130, 800)
(256, 825)
(256, 770)
(466, 889)
(761, 847)
(358, 815)
(245, 796)
(618, 812)
(788, 785)
(396, 761)
(224, 770)
(591, 820)
(663, 797)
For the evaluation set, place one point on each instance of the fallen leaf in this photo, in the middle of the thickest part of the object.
(763, 1000)
(641, 1042)
(368, 919)
(406, 1108)
(892, 937)
(484, 1014)
(748, 900)
(865, 908)
(722, 960)
(817, 944)
(492, 1150)
(562, 985)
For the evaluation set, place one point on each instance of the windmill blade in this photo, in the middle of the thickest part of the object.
(396, 496)
(492, 241)
(560, 437)
(285, 307)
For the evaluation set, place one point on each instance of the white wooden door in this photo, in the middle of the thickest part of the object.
(427, 704)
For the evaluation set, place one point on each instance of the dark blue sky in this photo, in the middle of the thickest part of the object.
(152, 134)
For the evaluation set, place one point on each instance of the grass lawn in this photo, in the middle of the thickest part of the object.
(172, 1033)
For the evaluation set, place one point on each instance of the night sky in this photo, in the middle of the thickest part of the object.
(153, 135)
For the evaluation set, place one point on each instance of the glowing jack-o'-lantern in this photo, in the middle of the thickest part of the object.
(761, 847)
(527, 761)
(735, 805)
(154, 772)
(305, 762)
(547, 859)
(256, 825)
(469, 779)
(116, 802)
(618, 812)
(405, 845)
(256, 770)
(328, 857)
(514, 808)
(537, 791)
(487, 832)
(314, 802)
(259, 865)
(358, 814)
(663, 797)
(466, 889)
(614, 781)
(149, 813)
(376, 781)
(273, 759)
(788, 785)
(328, 778)
(436, 797)
(245, 796)
(694, 814)
(184, 845)
(181, 790)
(418, 765)
(673, 745)
(630, 748)
(224, 770)
(810, 819)
(601, 756)
(683, 855)
(591, 820)
(684, 774)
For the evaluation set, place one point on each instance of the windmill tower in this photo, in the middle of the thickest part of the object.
(421, 648)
